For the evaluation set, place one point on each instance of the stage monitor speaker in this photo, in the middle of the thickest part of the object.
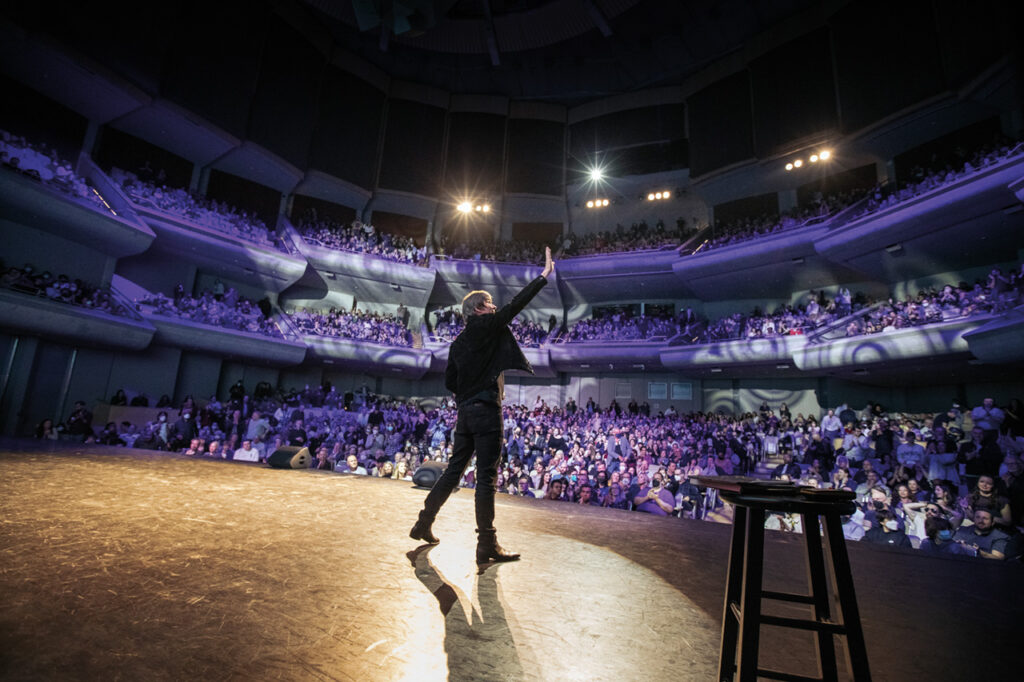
(428, 474)
(290, 457)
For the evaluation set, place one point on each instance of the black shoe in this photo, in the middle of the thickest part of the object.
(494, 553)
(488, 549)
(421, 531)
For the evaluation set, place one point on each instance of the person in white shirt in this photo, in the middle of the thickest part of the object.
(247, 453)
(988, 418)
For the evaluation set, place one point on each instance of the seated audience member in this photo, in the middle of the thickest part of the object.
(109, 435)
(246, 453)
(352, 466)
(79, 422)
(654, 499)
(788, 470)
(556, 488)
(887, 532)
(983, 538)
(46, 430)
(986, 496)
(939, 540)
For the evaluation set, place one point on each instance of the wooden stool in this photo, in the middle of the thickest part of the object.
(742, 617)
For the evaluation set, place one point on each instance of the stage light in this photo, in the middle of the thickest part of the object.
(814, 158)
(479, 207)
(596, 174)
(487, 208)
(798, 163)
(650, 197)
(590, 204)
(604, 203)
(789, 166)
(825, 155)
(465, 207)
(657, 195)
(666, 195)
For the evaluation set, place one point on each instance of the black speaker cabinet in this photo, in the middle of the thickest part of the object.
(290, 457)
(428, 473)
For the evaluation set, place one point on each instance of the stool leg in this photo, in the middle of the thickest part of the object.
(733, 583)
(842, 578)
(819, 592)
(750, 608)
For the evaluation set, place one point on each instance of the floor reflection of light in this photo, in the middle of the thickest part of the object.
(602, 611)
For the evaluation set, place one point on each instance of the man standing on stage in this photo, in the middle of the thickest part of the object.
(476, 360)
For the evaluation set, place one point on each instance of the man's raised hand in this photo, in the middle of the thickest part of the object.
(549, 265)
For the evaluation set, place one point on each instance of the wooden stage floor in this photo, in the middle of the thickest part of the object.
(119, 564)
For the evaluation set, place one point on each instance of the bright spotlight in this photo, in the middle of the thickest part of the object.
(604, 203)
(590, 204)
(814, 158)
(479, 207)
(487, 208)
(650, 197)
(789, 166)
(798, 163)
(666, 195)
(657, 195)
(596, 174)
(826, 155)
(465, 207)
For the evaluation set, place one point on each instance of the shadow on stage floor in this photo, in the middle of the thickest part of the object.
(119, 563)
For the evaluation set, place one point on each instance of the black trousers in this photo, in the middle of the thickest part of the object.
(477, 429)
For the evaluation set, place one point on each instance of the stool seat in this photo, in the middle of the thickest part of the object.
(742, 617)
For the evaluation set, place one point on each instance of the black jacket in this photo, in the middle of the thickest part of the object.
(486, 348)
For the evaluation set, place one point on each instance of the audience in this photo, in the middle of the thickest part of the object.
(621, 326)
(615, 457)
(744, 229)
(924, 180)
(209, 213)
(450, 324)
(356, 324)
(28, 280)
(998, 293)
(359, 237)
(227, 310)
(40, 162)
(638, 237)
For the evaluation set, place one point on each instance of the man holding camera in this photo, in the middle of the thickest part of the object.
(656, 498)
(476, 360)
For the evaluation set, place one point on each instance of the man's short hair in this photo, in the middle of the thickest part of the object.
(474, 300)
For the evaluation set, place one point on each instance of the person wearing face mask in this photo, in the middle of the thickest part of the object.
(162, 429)
(887, 532)
(655, 499)
(939, 538)
(183, 430)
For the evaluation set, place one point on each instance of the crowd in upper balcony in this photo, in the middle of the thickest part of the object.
(998, 292)
(923, 180)
(356, 324)
(947, 482)
(62, 289)
(638, 237)
(147, 188)
(220, 307)
(745, 229)
(478, 248)
(449, 324)
(360, 237)
(620, 325)
(41, 162)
